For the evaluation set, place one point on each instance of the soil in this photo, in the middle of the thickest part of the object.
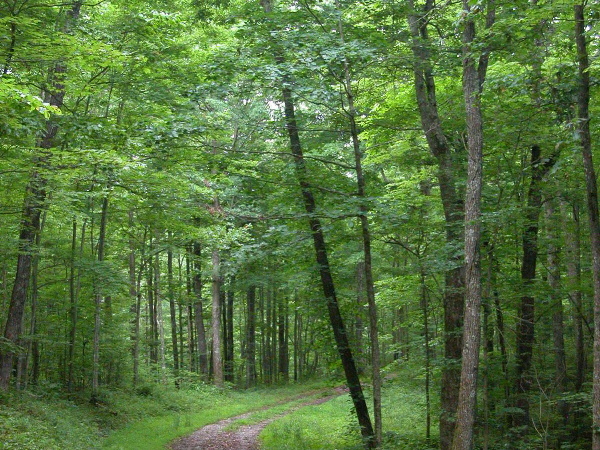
(245, 437)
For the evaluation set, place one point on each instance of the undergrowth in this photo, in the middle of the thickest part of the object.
(146, 418)
(332, 425)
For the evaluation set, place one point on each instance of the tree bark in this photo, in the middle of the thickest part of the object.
(573, 263)
(454, 216)
(98, 302)
(198, 314)
(465, 414)
(173, 314)
(251, 336)
(585, 141)
(217, 360)
(526, 314)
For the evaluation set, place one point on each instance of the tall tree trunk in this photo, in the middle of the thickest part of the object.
(217, 360)
(282, 324)
(98, 302)
(328, 285)
(585, 141)
(335, 317)
(553, 264)
(453, 212)
(199, 314)
(230, 342)
(72, 308)
(366, 237)
(160, 323)
(573, 251)
(251, 336)
(173, 313)
(35, 197)
(526, 316)
(465, 413)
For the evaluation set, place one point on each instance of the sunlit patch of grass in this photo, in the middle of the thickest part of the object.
(332, 425)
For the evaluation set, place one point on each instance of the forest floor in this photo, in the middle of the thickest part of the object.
(241, 432)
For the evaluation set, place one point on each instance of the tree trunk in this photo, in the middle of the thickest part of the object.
(251, 337)
(335, 316)
(282, 324)
(216, 320)
(465, 413)
(98, 302)
(573, 263)
(173, 313)
(35, 197)
(198, 314)
(526, 316)
(453, 212)
(558, 340)
(229, 341)
(585, 141)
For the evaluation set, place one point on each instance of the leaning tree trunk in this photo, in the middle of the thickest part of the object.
(585, 141)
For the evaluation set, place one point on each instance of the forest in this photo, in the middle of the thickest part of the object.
(222, 201)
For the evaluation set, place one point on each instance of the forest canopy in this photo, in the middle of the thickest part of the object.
(246, 193)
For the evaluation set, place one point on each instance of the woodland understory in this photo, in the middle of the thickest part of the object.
(237, 194)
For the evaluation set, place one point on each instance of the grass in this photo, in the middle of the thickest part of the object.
(147, 418)
(199, 411)
(332, 426)
(266, 414)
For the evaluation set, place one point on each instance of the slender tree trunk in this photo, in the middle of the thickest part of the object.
(335, 316)
(173, 314)
(573, 251)
(553, 264)
(366, 237)
(585, 141)
(320, 247)
(282, 324)
(526, 316)
(160, 323)
(199, 315)
(217, 360)
(251, 337)
(98, 303)
(72, 308)
(228, 346)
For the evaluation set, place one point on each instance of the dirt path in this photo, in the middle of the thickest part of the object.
(245, 437)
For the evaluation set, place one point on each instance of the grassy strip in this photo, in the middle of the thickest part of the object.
(156, 432)
(266, 414)
(332, 425)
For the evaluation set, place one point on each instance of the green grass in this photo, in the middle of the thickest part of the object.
(155, 432)
(266, 414)
(30, 421)
(145, 419)
(332, 426)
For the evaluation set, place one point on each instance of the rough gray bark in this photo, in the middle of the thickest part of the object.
(585, 141)
(465, 413)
